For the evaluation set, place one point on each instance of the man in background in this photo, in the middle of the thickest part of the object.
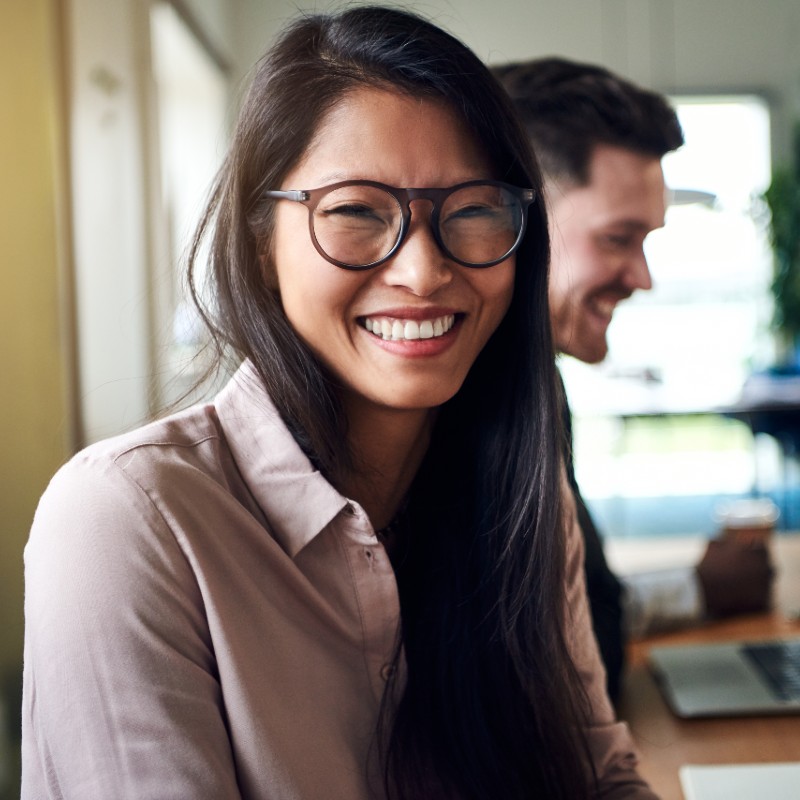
(599, 140)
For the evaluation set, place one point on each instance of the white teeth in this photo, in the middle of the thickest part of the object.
(411, 330)
(408, 330)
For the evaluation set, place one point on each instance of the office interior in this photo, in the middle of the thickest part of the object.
(114, 115)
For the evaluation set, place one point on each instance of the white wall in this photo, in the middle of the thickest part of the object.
(215, 19)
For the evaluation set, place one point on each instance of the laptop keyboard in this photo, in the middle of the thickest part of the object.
(779, 663)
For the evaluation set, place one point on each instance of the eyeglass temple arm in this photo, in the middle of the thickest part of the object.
(288, 194)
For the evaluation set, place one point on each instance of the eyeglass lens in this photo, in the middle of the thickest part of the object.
(359, 225)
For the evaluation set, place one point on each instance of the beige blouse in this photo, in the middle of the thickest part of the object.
(207, 617)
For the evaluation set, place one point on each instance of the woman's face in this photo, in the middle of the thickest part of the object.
(379, 135)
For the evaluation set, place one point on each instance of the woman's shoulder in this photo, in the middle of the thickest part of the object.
(176, 443)
(128, 478)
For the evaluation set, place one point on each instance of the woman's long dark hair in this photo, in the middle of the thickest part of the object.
(492, 707)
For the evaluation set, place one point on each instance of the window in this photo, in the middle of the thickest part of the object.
(192, 102)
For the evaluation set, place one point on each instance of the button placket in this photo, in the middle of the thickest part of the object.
(378, 599)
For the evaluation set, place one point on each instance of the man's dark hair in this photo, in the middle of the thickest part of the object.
(568, 108)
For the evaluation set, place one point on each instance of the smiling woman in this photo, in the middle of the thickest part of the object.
(354, 574)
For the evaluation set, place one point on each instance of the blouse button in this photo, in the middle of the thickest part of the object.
(387, 670)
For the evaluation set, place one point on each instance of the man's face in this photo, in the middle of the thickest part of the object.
(598, 233)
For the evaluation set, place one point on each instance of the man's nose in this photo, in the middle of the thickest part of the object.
(637, 273)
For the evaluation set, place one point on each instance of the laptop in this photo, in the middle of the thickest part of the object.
(730, 679)
(741, 782)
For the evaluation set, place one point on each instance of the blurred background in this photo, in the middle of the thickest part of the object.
(114, 116)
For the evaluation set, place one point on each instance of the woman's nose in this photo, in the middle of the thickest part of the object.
(419, 265)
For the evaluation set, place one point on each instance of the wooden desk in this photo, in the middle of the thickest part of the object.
(666, 742)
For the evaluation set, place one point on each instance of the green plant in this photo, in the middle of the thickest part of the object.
(783, 199)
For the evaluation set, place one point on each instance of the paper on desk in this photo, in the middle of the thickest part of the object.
(741, 781)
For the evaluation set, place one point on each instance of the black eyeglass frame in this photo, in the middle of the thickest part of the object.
(312, 197)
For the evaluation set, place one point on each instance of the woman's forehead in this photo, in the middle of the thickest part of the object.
(389, 135)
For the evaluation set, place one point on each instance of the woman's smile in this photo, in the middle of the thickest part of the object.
(395, 329)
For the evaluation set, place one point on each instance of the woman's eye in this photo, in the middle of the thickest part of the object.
(478, 217)
(467, 212)
(351, 210)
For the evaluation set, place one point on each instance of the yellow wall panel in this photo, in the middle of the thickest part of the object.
(35, 424)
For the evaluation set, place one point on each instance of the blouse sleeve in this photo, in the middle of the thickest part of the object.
(121, 698)
(609, 740)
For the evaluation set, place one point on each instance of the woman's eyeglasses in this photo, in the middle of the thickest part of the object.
(361, 224)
